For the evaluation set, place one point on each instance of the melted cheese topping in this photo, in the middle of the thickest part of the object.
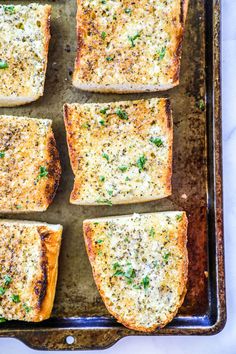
(140, 265)
(114, 158)
(129, 42)
(23, 46)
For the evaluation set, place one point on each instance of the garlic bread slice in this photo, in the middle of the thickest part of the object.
(24, 44)
(120, 152)
(29, 265)
(129, 46)
(140, 266)
(30, 168)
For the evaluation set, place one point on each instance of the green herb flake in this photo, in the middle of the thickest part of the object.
(15, 298)
(110, 192)
(104, 110)
(7, 280)
(152, 232)
(127, 179)
(3, 64)
(100, 253)
(141, 162)
(2, 319)
(201, 105)
(118, 273)
(101, 178)
(123, 168)
(2, 154)
(161, 53)
(102, 122)
(157, 141)
(166, 257)
(104, 201)
(42, 172)
(2, 291)
(9, 9)
(122, 114)
(132, 39)
(126, 239)
(128, 11)
(116, 266)
(103, 2)
(26, 308)
(179, 217)
(103, 35)
(18, 206)
(105, 156)
(98, 242)
(137, 286)
(109, 59)
(145, 282)
(85, 125)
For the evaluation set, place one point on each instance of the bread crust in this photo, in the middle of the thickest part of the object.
(90, 235)
(22, 82)
(30, 262)
(123, 140)
(120, 68)
(27, 145)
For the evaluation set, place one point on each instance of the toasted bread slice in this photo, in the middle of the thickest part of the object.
(140, 266)
(29, 263)
(129, 46)
(29, 164)
(120, 152)
(24, 44)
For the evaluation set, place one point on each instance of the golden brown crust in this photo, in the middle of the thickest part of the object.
(111, 64)
(105, 147)
(93, 229)
(51, 242)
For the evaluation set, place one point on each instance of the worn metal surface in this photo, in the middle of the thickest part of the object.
(79, 310)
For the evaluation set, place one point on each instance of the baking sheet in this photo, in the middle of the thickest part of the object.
(79, 310)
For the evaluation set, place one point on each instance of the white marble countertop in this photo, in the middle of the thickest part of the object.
(225, 341)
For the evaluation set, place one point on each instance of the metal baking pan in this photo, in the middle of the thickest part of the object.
(197, 188)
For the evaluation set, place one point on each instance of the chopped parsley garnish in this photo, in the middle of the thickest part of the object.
(157, 141)
(201, 105)
(99, 242)
(132, 39)
(152, 232)
(18, 206)
(141, 162)
(103, 35)
(110, 192)
(109, 58)
(2, 154)
(42, 172)
(2, 291)
(100, 253)
(85, 125)
(145, 282)
(7, 280)
(15, 298)
(166, 256)
(179, 217)
(104, 201)
(137, 286)
(9, 8)
(104, 110)
(26, 308)
(123, 168)
(105, 156)
(128, 11)
(103, 2)
(102, 178)
(2, 319)
(127, 179)
(3, 64)
(129, 274)
(161, 53)
(122, 114)
(116, 266)
(102, 122)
